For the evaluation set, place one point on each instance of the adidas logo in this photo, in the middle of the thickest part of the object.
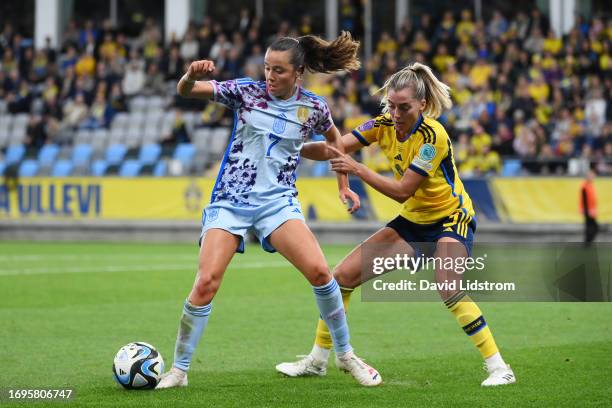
(398, 157)
(297, 210)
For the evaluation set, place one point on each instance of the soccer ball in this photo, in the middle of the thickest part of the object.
(138, 365)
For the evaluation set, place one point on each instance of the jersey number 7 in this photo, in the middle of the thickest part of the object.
(275, 139)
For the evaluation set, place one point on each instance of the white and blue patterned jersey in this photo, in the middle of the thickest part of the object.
(263, 153)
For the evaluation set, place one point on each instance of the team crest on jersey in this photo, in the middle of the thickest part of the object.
(427, 152)
(212, 214)
(280, 123)
(302, 114)
(366, 126)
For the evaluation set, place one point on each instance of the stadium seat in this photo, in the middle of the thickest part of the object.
(149, 153)
(28, 168)
(133, 135)
(136, 118)
(81, 155)
(130, 168)
(152, 133)
(117, 135)
(154, 118)
(14, 153)
(98, 168)
(47, 155)
(115, 154)
(184, 153)
(160, 169)
(18, 130)
(201, 138)
(83, 136)
(5, 128)
(512, 168)
(155, 103)
(120, 118)
(138, 104)
(62, 168)
(2, 167)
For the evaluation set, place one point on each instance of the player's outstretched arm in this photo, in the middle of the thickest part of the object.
(399, 190)
(318, 150)
(334, 141)
(194, 83)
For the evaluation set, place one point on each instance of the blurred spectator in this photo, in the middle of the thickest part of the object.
(178, 134)
(172, 64)
(189, 47)
(75, 111)
(134, 79)
(154, 83)
(36, 134)
(518, 88)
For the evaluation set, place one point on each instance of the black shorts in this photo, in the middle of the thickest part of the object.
(457, 225)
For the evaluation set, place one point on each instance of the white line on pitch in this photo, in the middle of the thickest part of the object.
(134, 268)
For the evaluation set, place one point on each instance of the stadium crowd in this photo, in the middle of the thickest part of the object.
(519, 91)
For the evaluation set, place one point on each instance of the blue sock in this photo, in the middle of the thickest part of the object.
(193, 322)
(332, 312)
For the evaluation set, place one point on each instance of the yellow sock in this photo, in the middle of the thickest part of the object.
(323, 338)
(470, 319)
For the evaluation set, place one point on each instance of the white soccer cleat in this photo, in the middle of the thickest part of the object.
(307, 366)
(363, 373)
(172, 378)
(499, 376)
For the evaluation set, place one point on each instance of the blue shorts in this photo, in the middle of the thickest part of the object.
(262, 219)
(456, 226)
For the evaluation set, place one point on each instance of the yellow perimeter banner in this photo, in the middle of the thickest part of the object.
(548, 199)
(521, 200)
(139, 198)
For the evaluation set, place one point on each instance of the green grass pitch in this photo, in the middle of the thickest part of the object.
(66, 308)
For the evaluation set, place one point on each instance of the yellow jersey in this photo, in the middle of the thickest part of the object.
(427, 151)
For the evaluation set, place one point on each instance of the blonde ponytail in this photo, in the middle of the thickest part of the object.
(424, 84)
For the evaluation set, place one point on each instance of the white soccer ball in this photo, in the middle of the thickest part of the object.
(138, 365)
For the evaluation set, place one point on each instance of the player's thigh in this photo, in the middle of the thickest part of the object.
(294, 240)
(357, 267)
(217, 249)
(448, 247)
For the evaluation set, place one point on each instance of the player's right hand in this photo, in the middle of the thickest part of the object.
(199, 70)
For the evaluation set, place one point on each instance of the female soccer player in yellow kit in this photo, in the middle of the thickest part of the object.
(436, 208)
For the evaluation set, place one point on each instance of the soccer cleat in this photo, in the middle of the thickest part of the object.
(499, 376)
(363, 373)
(173, 378)
(306, 366)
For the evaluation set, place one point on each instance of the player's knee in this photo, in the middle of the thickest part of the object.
(319, 274)
(345, 278)
(205, 288)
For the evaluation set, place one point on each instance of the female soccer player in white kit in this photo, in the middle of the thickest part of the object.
(255, 189)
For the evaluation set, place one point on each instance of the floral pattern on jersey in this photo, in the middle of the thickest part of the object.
(228, 93)
(286, 175)
(237, 179)
(243, 98)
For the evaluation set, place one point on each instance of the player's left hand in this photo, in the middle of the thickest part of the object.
(349, 196)
(342, 162)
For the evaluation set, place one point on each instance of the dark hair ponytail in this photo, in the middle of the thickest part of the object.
(317, 55)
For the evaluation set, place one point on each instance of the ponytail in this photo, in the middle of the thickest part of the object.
(424, 84)
(317, 55)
